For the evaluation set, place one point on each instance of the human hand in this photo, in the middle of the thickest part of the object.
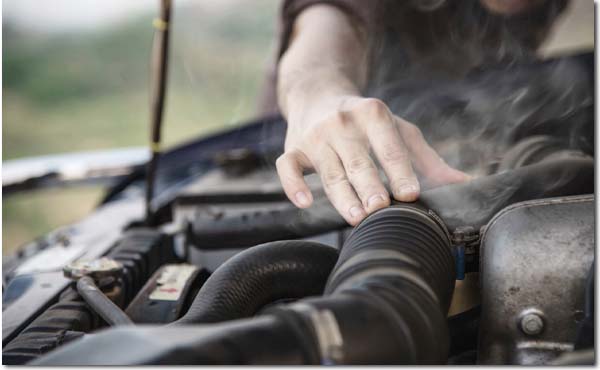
(337, 137)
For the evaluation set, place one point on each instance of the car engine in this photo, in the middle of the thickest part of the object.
(498, 270)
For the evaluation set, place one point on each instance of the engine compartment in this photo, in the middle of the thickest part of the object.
(493, 271)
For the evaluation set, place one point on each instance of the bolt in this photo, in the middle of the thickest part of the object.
(532, 324)
(463, 233)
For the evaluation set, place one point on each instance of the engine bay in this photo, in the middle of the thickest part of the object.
(498, 270)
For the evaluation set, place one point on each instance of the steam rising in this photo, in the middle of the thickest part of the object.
(473, 123)
(427, 71)
(477, 123)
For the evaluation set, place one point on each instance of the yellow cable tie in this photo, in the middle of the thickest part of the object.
(155, 147)
(159, 24)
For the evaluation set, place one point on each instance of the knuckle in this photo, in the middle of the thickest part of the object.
(374, 107)
(338, 120)
(358, 165)
(318, 153)
(333, 177)
(412, 132)
(341, 116)
(394, 153)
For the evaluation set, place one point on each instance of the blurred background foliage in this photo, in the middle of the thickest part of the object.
(86, 88)
(76, 73)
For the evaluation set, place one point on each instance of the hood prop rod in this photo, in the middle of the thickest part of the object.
(158, 77)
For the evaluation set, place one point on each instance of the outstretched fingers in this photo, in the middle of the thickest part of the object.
(393, 155)
(433, 169)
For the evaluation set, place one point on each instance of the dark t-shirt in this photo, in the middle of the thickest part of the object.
(427, 39)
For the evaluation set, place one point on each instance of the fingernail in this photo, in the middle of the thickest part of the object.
(302, 198)
(375, 201)
(408, 190)
(356, 212)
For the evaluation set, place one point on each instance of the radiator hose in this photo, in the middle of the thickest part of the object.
(385, 303)
(395, 276)
(387, 299)
(261, 275)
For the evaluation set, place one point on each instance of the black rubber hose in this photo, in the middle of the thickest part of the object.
(261, 275)
(390, 291)
(247, 228)
(386, 300)
(100, 303)
(388, 296)
(385, 303)
(265, 340)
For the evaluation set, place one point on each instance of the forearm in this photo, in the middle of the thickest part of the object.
(326, 58)
(335, 131)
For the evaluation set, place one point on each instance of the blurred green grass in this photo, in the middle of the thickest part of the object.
(85, 91)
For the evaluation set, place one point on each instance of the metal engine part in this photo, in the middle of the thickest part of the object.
(535, 256)
(140, 251)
